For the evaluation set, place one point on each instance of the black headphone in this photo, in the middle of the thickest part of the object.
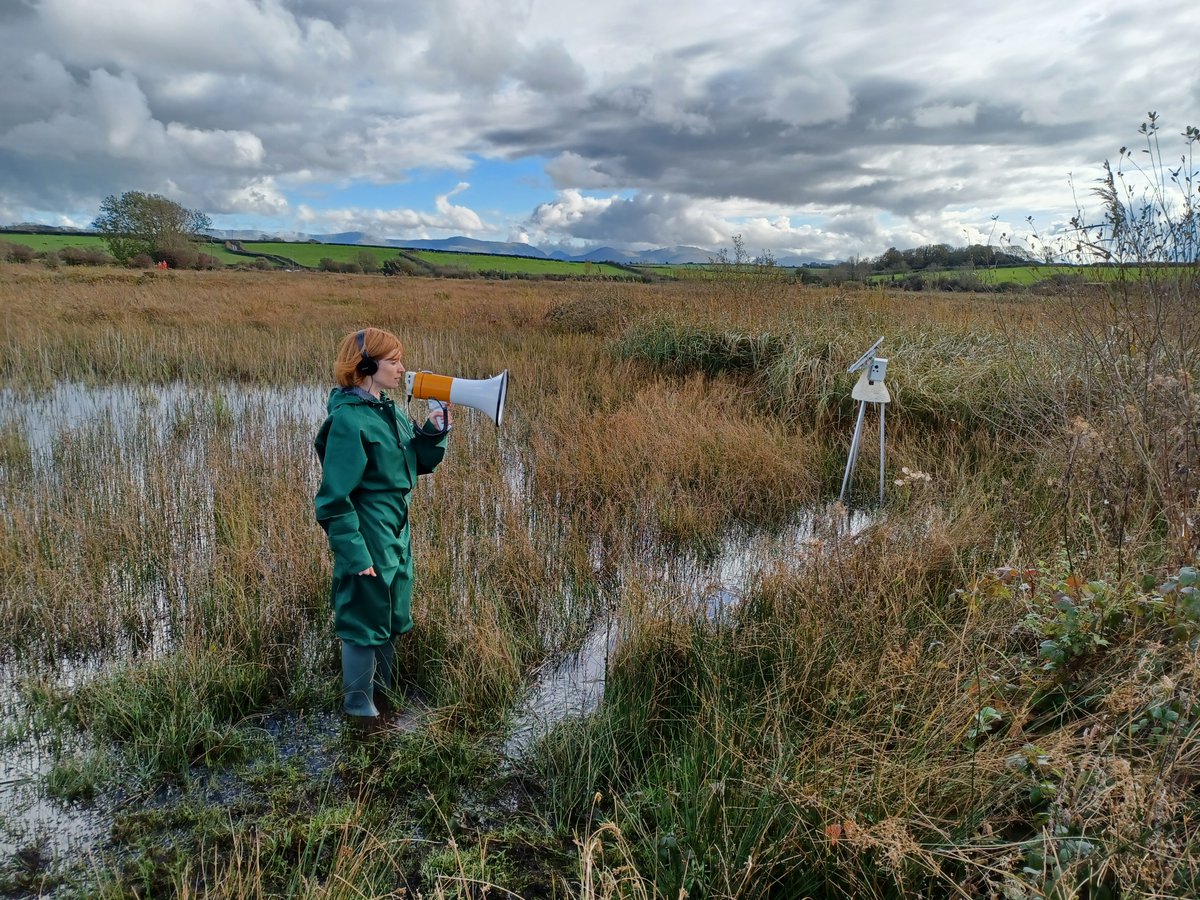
(367, 366)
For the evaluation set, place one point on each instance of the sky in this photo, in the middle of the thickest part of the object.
(813, 128)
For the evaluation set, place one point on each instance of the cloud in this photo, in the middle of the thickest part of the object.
(471, 45)
(796, 122)
(109, 116)
(231, 36)
(666, 220)
(550, 69)
(457, 218)
(669, 220)
(383, 223)
(570, 170)
(938, 115)
(260, 197)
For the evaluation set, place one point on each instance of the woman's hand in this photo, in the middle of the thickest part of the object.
(440, 417)
(369, 570)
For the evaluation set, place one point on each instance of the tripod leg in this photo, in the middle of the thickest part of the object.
(882, 452)
(852, 458)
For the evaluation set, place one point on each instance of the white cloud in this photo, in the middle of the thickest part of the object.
(387, 223)
(259, 197)
(198, 35)
(458, 218)
(566, 210)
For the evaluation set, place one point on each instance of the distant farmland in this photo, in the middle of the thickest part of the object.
(522, 265)
(442, 263)
(47, 243)
(310, 256)
(1021, 275)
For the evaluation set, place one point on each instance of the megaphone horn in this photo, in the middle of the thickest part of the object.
(486, 394)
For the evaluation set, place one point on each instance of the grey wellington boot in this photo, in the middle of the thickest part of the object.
(358, 672)
(385, 676)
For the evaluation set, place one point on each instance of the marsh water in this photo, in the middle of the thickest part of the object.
(156, 445)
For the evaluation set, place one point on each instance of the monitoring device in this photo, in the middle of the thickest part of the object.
(869, 389)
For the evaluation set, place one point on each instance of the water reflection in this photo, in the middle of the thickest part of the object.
(32, 823)
(42, 417)
(698, 587)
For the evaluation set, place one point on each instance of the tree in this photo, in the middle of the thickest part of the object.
(367, 261)
(137, 222)
(892, 260)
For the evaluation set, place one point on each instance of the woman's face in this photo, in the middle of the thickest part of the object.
(391, 373)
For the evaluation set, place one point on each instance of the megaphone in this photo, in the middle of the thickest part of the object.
(486, 395)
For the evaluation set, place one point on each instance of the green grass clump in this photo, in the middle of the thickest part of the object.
(15, 459)
(682, 348)
(80, 776)
(169, 714)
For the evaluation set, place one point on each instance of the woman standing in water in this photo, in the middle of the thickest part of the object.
(370, 459)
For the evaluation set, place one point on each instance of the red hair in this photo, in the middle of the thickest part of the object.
(377, 343)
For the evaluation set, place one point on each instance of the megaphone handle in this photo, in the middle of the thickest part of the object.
(439, 415)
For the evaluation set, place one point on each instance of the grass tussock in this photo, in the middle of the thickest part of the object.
(169, 714)
(690, 457)
(943, 380)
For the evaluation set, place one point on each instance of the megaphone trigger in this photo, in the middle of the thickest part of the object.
(486, 395)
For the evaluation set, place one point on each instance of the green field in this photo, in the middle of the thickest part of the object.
(699, 271)
(43, 243)
(310, 254)
(1022, 275)
(480, 262)
(218, 250)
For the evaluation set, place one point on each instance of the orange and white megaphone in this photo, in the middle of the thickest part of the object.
(486, 395)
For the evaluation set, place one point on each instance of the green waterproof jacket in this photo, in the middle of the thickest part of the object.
(370, 459)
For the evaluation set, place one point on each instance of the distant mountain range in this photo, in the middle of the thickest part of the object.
(678, 255)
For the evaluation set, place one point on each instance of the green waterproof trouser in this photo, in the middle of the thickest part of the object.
(372, 610)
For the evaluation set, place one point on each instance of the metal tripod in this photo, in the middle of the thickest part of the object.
(856, 445)
(869, 389)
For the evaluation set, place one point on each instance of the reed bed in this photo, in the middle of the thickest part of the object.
(990, 691)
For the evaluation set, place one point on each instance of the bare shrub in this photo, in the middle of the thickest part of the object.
(178, 254)
(1133, 454)
(19, 253)
(84, 256)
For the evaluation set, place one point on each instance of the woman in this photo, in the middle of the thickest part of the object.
(370, 459)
